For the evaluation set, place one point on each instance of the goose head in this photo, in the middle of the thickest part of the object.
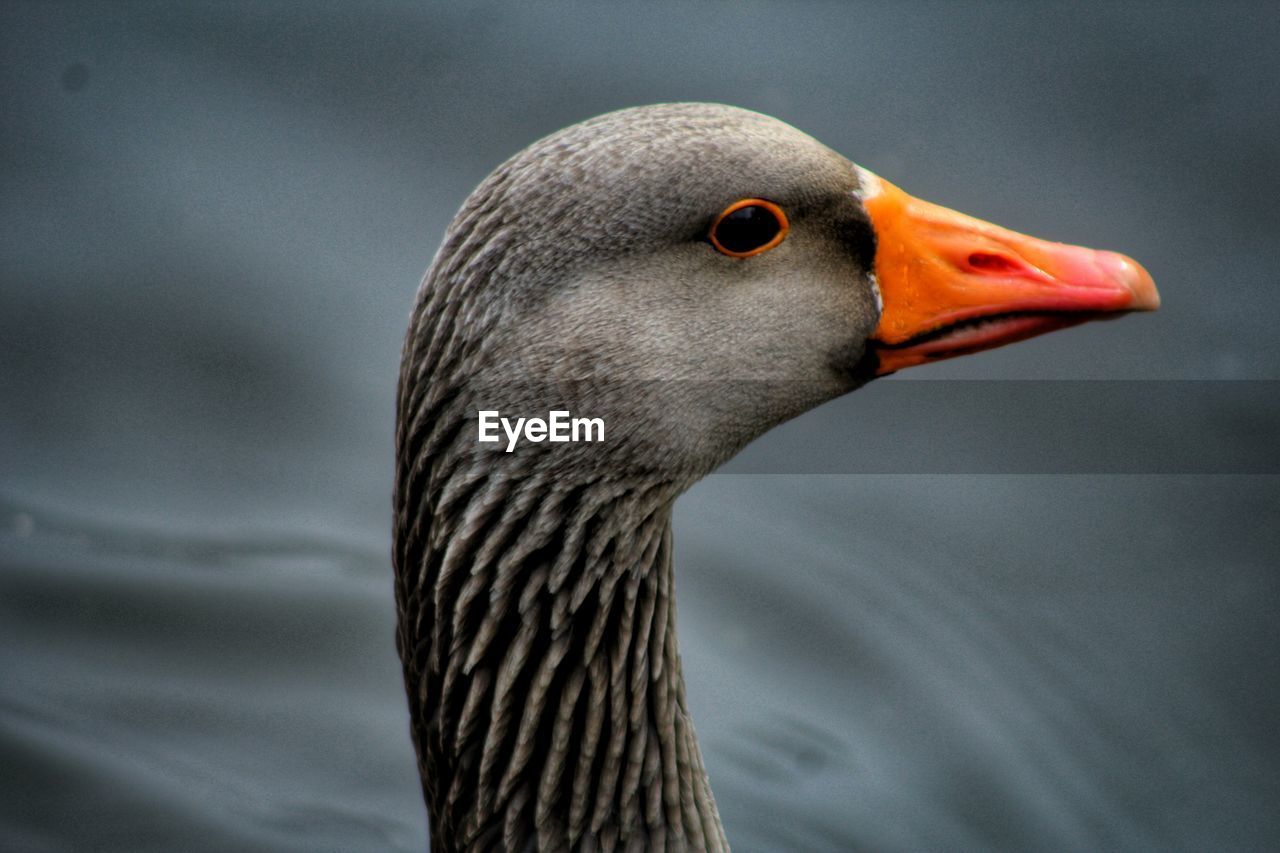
(694, 274)
(690, 275)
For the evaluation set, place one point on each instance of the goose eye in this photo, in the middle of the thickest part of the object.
(748, 227)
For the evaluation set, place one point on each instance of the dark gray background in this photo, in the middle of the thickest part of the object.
(213, 221)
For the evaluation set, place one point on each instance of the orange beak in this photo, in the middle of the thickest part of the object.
(953, 285)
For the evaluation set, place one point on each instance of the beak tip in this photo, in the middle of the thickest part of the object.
(1136, 280)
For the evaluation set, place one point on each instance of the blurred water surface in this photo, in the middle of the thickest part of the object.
(214, 219)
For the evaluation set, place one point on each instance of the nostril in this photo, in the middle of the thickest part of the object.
(993, 263)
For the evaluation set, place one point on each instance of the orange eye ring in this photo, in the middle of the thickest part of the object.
(742, 241)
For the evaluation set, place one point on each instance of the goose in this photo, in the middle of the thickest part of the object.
(690, 275)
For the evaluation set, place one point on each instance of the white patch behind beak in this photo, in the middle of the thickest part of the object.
(868, 184)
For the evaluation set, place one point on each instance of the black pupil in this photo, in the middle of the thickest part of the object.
(747, 228)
